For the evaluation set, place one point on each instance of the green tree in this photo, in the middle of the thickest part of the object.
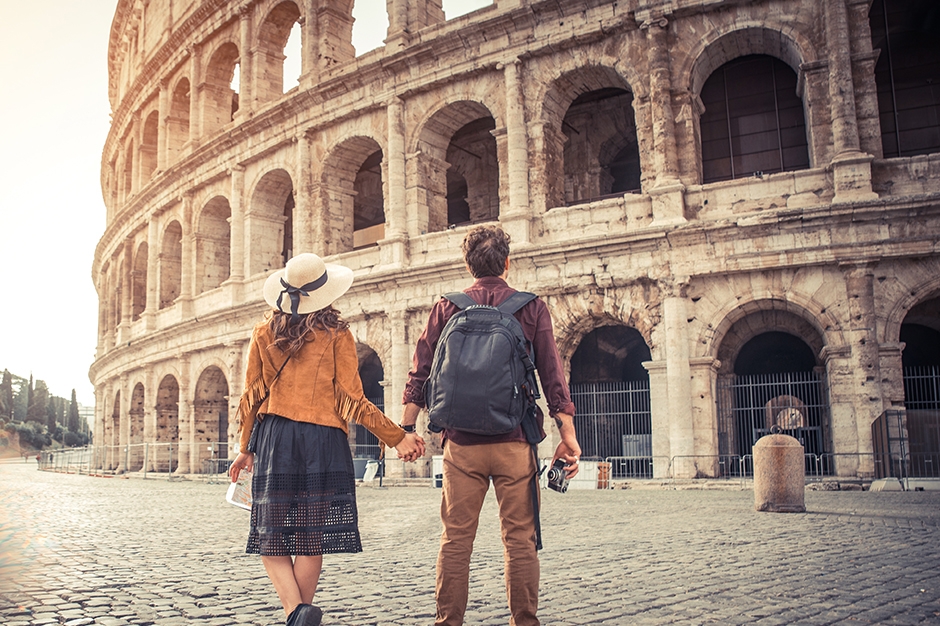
(6, 396)
(51, 415)
(38, 401)
(73, 421)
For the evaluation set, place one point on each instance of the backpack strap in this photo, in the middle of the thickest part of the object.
(516, 301)
(461, 300)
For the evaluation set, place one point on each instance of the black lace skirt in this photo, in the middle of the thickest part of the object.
(303, 490)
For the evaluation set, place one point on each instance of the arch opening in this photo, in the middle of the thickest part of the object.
(920, 360)
(139, 282)
(210, 420)
(269, 222)
(165, 456)
(364, 443)
(213, 244)
(171, 264)
(220, 99)
(610, 390)
(135, 430)
(178, 122)
(753, 122)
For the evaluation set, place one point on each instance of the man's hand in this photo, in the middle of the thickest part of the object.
(244, 461)
(569, 450)
(411, 448)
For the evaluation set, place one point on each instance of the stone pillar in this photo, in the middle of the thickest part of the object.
(127, 289)
(185, 448)
(310, 40)
(702, 395)
(866, 359)
(851, 168)
(667, 192)
(334, 31)
(843, 391)
(150, 417)
(152, 303)
(303, 224)
(163, 112)
(237, 224)
(517, 216)
(678, 380)
(187, 258)
(246, 55)
(122, 436)
(660, 418)
(236, 383)
(864, 58)
(195, 94)
(406, 17)
(393, 245)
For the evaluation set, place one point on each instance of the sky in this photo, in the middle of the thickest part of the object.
(54, 119)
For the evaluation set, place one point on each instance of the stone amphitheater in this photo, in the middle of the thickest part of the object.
(732, 209)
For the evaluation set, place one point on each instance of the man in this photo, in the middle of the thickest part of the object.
(470, 461)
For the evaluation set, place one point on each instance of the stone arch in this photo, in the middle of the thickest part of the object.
(135, 429)
(372, 373)
(925, 289)
(458, 167)
(178, 120)
(148, 146)
(590, 139)
(268, 57)
(171, 264)
(210, 416)
(762, 316)
(782, 384)
(719, 47)
(213, 244)
(219, 99)
(165, 456)
(139, 281)
(269, 222)
(352, 190)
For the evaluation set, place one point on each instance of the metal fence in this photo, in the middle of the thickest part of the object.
(749, 406)
(613, 420)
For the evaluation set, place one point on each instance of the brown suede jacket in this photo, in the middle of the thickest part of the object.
(320, 384)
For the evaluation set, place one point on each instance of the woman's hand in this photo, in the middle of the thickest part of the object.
(411, 448)
(244, 461)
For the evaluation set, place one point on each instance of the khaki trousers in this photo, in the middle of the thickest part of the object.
(467, 474)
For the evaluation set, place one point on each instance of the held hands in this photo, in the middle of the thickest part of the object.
(244, 461)
(411, 448)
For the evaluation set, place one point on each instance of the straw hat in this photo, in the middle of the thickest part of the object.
(306, 284)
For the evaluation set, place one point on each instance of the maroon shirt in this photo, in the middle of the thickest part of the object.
(536, 325)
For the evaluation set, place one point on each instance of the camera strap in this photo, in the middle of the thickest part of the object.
(535, 497)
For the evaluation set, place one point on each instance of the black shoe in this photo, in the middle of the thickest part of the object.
(305, 615)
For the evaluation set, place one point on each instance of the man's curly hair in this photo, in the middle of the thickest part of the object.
(485, 249)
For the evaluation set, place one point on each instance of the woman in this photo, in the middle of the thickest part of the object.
(302, 387)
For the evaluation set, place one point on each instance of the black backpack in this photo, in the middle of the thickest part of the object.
(482, 379)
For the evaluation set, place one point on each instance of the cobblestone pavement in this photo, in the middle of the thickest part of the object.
(81, 550)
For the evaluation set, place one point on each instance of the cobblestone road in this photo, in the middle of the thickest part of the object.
(80, 550)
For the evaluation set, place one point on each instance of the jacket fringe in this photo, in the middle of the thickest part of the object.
(252, 398)
(361, 412)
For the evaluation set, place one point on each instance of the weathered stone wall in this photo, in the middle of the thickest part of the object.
(207, 190)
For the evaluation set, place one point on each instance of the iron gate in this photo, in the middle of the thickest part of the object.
(613, 420)
(922, 404)
(750, 405)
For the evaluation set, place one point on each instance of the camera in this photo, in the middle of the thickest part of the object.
(558, 477)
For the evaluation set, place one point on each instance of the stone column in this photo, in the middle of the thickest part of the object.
(163, 112)
(843, 392)
(865, 354)
(398, 36)
(195, 94)
(310, 39)
(702, 395)
(127, 265)
(237, 223)
(245, 75)
(122, 437)
(851, 168)
(187, 258)
(150, 417)
(667, 192)
(659, 418)
(678, 380)
(516, 219)
(185, 448)
(393, 247)
(303, 224)
(152, 303)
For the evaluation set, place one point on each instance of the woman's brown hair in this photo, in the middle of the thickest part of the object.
(290, 338)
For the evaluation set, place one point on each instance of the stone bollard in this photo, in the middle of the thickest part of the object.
(778, 474)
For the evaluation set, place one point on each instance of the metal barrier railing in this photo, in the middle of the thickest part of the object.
(163, 460)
